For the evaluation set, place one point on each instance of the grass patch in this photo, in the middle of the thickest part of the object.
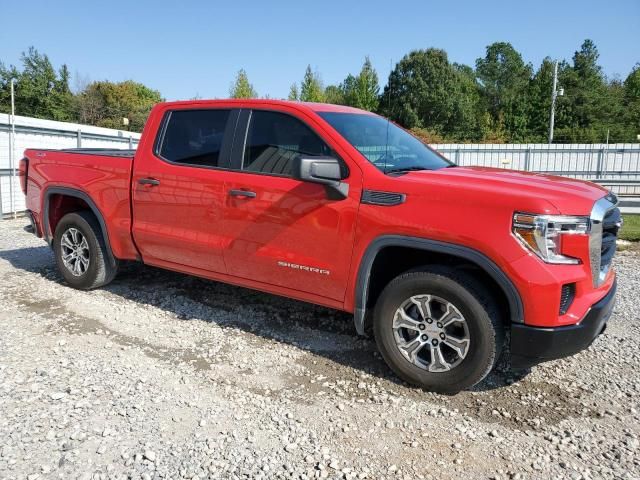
(631, 229)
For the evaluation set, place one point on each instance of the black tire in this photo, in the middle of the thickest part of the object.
(100, 270)
(484, 328)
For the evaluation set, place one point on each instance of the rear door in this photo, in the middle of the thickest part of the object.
(178, 189)
(282, 231)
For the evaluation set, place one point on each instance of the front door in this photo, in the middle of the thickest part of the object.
(178, 189)
(282, 231)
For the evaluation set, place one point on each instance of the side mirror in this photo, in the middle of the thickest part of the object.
(323, 170)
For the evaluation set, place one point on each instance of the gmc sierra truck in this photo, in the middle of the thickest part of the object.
(342, 208)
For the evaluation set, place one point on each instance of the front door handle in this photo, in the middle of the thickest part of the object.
(149, 181)
(242, 193)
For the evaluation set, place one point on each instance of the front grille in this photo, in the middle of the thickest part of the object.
(610, 226)
(566, 297)
(605, 222)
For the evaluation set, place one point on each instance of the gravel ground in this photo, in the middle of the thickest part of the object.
(161, 375)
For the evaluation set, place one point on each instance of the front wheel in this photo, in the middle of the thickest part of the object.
(438, 329)
(81, 252)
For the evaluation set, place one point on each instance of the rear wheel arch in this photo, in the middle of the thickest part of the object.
(82, 201)
(432, 252)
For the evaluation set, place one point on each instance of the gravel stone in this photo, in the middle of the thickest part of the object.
(161, 375)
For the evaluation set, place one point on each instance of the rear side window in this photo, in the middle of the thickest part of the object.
(194, 137)
(274, 139)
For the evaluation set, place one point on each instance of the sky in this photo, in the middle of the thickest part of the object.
(194, 48)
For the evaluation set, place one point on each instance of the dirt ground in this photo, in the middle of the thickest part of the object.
(161, 375)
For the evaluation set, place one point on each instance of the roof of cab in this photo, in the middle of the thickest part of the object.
(315, 107)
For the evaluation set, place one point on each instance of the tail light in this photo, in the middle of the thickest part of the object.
(22, 173)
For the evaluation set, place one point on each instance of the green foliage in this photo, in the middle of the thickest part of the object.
(502, 99)
(293, 92)
(631, 228)
(631, 102)
(586, 109)
(362, 91)
(426, 91)
(334, 94)
(311, 89)
(40, 91)
(503, 80)
(241, 87)
(105, 104)
(505, 100)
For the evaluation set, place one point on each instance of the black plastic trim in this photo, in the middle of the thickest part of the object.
(72, 192)
(103, 152)
(33, 226)
(380, 198)
(533, 345)
(362, 282)
(239, 139)
(567, 295)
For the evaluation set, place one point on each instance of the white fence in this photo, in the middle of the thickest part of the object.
(616, 166)
(37, 133)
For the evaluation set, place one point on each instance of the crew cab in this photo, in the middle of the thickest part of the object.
(342, 208)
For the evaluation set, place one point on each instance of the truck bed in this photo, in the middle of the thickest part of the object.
(97, 176)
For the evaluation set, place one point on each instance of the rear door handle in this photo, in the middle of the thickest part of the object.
(242, 193)
(149, 181)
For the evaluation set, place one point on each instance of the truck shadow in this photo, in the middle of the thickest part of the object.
(322, 331)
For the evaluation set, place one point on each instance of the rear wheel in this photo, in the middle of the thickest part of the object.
(81, 252)
(438, 329)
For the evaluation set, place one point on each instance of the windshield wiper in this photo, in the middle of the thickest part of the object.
(405, 169)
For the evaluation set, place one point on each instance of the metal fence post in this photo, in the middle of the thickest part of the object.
(599, 164)
(527, 159)
(130, 142)
(458, 156)
(79, 138)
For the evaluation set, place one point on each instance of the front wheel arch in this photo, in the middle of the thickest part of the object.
(433, 252)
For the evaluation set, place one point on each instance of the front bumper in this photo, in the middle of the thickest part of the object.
(533, 345)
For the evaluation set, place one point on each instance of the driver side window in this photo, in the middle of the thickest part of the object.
(274, 139)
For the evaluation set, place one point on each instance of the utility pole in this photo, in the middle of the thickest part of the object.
(554, 95)
(12, 139)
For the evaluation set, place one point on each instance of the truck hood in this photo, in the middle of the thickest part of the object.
(567, 195)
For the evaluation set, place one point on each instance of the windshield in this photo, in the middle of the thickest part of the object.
(369, 134)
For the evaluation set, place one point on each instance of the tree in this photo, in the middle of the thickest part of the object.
(334, 94)
(89, 105)
(362, 91)
(426, 91)
(539, 101)
(504, 78)
(40, 91)
(241, 88)
(587, 109)
(105, 104)
(293, 92)
(631, 103)
(6, 75)
(311, 87)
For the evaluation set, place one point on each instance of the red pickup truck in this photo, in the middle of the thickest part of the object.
(342, 208)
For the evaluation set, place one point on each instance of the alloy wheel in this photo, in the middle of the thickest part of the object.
(431, 333)
(75, 251)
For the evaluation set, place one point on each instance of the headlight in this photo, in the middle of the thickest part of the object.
(543, 234)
